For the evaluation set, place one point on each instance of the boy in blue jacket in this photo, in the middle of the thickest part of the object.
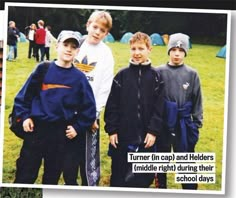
(55, 112)
(133, 113)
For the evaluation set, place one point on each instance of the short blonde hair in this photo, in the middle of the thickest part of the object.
(141, 37)
(33, 26)
(12, 23)
(98, 15)
(41, 22)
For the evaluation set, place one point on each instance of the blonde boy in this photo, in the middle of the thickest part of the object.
(133, 114)
(95, 59)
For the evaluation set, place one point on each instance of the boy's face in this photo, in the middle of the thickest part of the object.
(12, 25)
(176, 56)
(67, 50)
(139, 52)
(97, 30)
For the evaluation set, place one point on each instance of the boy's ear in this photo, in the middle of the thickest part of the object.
(87, 25)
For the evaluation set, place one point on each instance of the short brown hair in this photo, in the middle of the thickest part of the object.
(97, 15)
(141, 37)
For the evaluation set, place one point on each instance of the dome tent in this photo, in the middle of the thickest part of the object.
(157, 39)
(222, 52)
(165, 38)
(22, 38)
(190, 44)
(109, 38)
(126, 37)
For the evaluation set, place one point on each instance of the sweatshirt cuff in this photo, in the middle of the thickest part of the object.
(25, 117)
(78, 129)
(112, 133)
(156, 133)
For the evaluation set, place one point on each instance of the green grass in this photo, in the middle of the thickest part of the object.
(20, 192)
(202, 57)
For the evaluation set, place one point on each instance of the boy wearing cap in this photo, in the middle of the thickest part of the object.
(133, 114)
(54, 111)
(183, 103)
(96, 61)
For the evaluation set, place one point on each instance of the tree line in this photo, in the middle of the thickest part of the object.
(204, 28)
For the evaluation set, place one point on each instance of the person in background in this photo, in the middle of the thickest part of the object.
(49, 39)
(40, 37)
(12, 37)
(31, 37)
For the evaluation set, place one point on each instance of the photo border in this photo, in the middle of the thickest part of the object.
(130, 8)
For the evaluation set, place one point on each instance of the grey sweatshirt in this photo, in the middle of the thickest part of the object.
(182, 84)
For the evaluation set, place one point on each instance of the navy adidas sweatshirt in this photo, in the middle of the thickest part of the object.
(64, 96)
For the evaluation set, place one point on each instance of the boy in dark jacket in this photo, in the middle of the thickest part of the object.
(183, 103)
(12, 37)
(133, 114)
(54, 113)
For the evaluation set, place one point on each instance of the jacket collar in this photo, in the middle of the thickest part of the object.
(147, 63)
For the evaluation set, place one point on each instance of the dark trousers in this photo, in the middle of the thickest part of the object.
(74, 161)
(15, 51)
(164, 145)
(121, 170)
(47, 53)
(31, 49)
(46, 143)
(41, 48)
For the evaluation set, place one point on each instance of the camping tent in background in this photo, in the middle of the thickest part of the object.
(125, 38)
(165, 38)
(222, 52)
(190, 44)
(22, 38)
(109, 38)
(157, 39)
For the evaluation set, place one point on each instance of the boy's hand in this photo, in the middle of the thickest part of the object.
(94, 127)
(70, 132)
(28, 125)
(149, 140)
(114, 140)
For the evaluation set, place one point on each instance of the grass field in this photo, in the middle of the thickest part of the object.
(202, 57)
(20, 192)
